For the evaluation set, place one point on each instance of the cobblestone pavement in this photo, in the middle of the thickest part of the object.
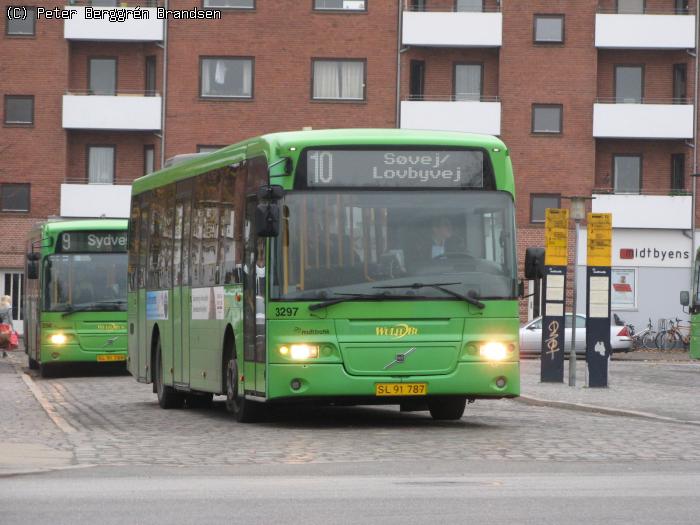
(666, 389)
(113, 420)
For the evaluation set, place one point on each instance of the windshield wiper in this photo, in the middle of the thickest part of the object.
(350, 297)
(471, 297)
(91, 307)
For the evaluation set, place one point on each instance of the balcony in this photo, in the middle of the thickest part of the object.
(452, 29)
(651, 30)
(648, 120)
(477, 116)
(95, 200)
(122, 112)
(645, 211)
(127, 23)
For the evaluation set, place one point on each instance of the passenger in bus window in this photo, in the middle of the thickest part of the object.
(6, 320)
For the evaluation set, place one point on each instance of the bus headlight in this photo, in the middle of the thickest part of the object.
(493, 351)
(299, 352)
(58, 339)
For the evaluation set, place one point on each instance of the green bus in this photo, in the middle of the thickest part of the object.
(75, 293)
(336, 266)
(692, 301)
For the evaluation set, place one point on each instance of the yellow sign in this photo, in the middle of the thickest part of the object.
(397, 331)
(400, 389)
(556, 236)
(599, 239)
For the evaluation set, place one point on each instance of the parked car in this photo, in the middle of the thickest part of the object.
(531, 336)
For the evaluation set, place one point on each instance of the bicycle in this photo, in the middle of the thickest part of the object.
(674, 335)
(644, 339)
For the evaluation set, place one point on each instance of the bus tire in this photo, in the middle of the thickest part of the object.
(33, 364)
(168, 397)
(447, 408)
(244, 410)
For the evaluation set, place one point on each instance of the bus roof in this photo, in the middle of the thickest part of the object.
(58, 226)
(279, 144)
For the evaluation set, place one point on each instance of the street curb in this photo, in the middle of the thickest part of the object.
(45, 404)
(582, 407)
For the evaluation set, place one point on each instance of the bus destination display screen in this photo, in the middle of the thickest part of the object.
(91, 242)
(395, 168)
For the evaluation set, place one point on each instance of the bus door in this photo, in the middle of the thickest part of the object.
(181, 290)
(254, 306)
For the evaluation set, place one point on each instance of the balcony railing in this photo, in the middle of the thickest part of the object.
(489, 7)
(125, 111)
(95, 200)
(120, 3)
(129, 28)
(450, 113)
(437, 27)
(647, 210)
(651, 29)
(646, 118)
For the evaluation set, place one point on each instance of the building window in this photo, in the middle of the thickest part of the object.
(547, 118)
(150, 75)
(149, 159)
(681, 7)
(540, 202)
(678, 171)
(103, 76)
(416, 82)
(630, 7)
(339, 80)
(208, 148)
(468, 81)
(469, 5)
(627, 170)
(104, 3)
(231, 4)
(416, 5)
(100, 164)
(629, 81)
(227, 77)
(14, 197)
(340, 5)
(549, 29)
(19, 110)
(19, 27)
(680, 83)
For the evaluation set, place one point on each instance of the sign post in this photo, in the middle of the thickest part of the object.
(599, 261)
(554, 297)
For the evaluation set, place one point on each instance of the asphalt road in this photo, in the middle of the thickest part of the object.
(309, 495)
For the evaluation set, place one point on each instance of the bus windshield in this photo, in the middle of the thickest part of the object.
(95, 281)
(358, 242)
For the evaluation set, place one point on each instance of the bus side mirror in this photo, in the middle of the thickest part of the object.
(685, 298)
(534, 263)
(33, 265)
(267, 219)
(521, 289)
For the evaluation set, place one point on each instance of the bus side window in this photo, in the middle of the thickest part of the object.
(230, 249)
(143, 238)
(166, 238)
(134, 230)
(205, 238)
(696, 283)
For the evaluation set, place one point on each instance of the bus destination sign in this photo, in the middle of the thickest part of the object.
(395, 168)
(91, 242)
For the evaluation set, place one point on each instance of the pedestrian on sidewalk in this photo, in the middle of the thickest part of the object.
(6, 328)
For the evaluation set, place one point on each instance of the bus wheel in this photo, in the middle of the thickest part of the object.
(168, 397)
(244, 410)
(33, 364)
(447, 408)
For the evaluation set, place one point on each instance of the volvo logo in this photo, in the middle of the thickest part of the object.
(110, 341)
(400, 358)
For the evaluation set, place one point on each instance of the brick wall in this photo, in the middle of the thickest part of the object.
(35, 65)
(283, 37)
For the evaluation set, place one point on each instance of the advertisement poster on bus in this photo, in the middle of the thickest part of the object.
(624, 289)
(157, 305)
(208, 303)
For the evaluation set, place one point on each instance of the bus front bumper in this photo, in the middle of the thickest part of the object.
(74, 353)
(470, 379)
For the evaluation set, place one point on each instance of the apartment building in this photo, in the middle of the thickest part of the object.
(593, 98)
